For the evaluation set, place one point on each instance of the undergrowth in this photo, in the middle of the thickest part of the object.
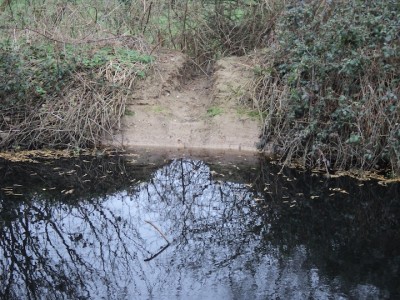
(210, 29)
(68, 97)
(330, 83)
(328, 86)
(67, 67)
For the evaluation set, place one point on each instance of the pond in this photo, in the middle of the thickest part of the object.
(193, 227)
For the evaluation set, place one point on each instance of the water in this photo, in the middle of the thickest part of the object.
(145, 228)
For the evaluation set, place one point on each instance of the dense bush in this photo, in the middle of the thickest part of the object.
(331, 84)
(30, 72)
(69, 97)
(205, 29)
(230, 27)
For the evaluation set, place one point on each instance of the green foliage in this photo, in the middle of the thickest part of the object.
(30, 72)
(206, 29)
(329, 84)
(214, 111)
(159, 109)
(121, 56)
(129, 112)
(339, 63)
(37, 71)
(250, 113)
(43, 87)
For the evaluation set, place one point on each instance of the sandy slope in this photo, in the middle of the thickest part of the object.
(170, 109)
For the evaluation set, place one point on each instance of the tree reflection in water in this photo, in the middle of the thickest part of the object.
(98, 248)
(211, 237)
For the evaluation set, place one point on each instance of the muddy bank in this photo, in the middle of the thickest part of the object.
(179, 108)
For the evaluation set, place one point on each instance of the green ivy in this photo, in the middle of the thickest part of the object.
(334, 56)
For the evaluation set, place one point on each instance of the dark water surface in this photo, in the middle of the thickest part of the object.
(144, 228)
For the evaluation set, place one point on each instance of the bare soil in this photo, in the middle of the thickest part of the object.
(177, 108)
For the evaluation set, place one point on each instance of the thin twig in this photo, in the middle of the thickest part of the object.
(159, 231)
(163, 248)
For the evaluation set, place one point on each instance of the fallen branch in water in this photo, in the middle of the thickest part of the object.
(159, 231)
(158, 253)
(165, 238)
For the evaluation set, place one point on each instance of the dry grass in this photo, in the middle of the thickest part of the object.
(333, 102)
(91, 103)
(88, 108)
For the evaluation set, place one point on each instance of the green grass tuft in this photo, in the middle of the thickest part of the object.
(214, 111)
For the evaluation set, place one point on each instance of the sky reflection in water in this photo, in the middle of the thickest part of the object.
(189, 232)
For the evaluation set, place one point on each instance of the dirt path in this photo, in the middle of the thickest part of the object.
(174, 109)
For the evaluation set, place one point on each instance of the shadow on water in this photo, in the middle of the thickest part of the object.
(119, 228)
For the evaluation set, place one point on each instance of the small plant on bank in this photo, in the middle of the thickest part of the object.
(250, 113)
(159, 109)
(214, 111)
(129, 112)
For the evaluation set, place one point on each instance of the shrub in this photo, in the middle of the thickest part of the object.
(330, 84)
(68, 97)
